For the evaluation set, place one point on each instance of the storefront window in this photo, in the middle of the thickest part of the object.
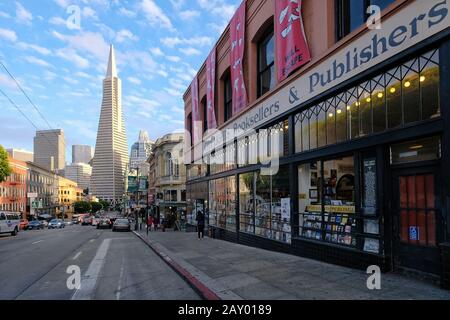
(247, 202)
(416, 151)
(222, 203)
(406, 94)
(263, 198)
(281, 206)
(230, 203)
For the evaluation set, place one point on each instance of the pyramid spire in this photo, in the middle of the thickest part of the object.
(112, 69)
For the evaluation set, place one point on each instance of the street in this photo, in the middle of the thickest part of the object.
(114, 266)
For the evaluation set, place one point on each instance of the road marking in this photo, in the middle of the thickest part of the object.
(91, 276)
(119, 287)
(77, 255)
(38, 242)
(92, 240)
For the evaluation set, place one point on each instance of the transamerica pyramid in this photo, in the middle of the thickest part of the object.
(111, 150)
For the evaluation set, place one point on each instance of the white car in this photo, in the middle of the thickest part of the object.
(9, 223)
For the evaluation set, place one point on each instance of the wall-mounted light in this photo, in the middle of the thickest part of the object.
(407, 84)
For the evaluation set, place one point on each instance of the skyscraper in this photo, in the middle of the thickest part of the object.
(49, 149)
(82, 154)
(80, 173)
(140, 151)
(111, 150)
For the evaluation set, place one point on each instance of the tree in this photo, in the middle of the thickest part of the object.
(82, 207)
(5, 169)
(105, 204)
(96, 207)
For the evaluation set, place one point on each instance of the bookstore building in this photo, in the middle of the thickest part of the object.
(358, 109)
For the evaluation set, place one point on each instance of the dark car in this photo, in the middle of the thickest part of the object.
(87, 221)
(35, 225)
(104, 224)
(121, 225)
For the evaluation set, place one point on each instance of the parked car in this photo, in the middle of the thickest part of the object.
(75, 221)
(56, 224)
(44, 223)
(35, 225)
(122, 225)
(104, 223)
(9, 223)
(24, 224)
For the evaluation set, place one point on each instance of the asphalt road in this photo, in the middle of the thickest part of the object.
(113, 266)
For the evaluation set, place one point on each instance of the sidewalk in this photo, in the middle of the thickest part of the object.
(233, 271)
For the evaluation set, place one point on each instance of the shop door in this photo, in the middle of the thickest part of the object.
(417, 219)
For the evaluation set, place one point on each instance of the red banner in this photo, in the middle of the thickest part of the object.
(195, 112)
(237, 31)
(211, 87)
(292, 50)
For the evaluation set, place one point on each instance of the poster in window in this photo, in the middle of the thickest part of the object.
(372, 245)
(369, 187)
(286, 209)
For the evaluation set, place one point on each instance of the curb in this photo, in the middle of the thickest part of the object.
(197, 285)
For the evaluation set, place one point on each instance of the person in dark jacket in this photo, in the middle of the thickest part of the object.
(200, 224)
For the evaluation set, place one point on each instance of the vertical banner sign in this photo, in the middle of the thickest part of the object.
(195, 112)
(237, 30)
(211, 89)
(292, 50)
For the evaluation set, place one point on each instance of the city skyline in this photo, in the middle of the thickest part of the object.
(62, 70)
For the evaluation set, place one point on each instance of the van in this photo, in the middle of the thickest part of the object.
(9, 223)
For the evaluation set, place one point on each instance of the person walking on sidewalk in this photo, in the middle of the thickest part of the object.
(200, 224)
(149, 223)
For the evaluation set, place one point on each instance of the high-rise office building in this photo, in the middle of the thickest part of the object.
(82, 154)
(140, 151)
(111, 150)
(49, 149)
(80, 173)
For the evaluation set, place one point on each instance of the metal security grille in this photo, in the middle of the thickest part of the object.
(418, 210)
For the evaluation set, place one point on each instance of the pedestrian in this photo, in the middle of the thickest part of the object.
(156, 223)
(149, 223)
(200, 224)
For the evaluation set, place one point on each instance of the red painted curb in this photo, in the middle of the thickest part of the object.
(196, 284)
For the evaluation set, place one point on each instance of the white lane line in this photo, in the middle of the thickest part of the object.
(92, 240)
(119, 288)
(91, 276)
(77, 255)
(38, 242)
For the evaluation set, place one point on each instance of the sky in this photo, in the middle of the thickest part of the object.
(60, 61)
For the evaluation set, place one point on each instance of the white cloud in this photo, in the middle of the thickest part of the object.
(39, 49)
(218, 8)
(177, 4)
(189, 14)
(71, 80)
(127, 13)
(190, 51)
(81, 74)
(173, 92)
(7, 81)
(23, 15)
(88, 12)
(156, 51)
(124, 35)
(163, 73)
(71, 56)
(48, 75)
(4, 15)
(9, 35)
(173, 58)
(90, 42)
(63, 3)
(195, 41)
(134, 80)
(36, 61)
(155, 15)
(57, 21)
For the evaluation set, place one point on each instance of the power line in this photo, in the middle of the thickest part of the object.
(23, 114)
(34, 106)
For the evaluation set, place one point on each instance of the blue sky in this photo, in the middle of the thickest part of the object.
(159, 46)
